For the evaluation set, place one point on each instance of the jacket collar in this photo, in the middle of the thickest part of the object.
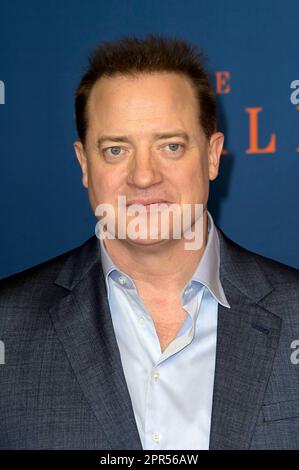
(247, 341)
(84, 326)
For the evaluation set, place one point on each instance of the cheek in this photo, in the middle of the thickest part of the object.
(198, 172)
(104, 184)
(197, 182)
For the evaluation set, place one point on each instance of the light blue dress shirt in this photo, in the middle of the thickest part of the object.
(171, 392)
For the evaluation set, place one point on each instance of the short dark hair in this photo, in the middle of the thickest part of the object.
(153, 53)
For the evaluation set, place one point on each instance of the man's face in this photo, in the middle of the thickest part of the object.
(144, 141)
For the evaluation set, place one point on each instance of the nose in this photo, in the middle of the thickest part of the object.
(144, 170)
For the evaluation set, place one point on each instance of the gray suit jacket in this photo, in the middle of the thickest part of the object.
(62, 385)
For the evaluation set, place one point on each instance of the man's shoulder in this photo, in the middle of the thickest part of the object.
(37, 282)
(236, 255)
(279, 272)
(262, 280)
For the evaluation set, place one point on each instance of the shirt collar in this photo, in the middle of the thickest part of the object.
(206, 273)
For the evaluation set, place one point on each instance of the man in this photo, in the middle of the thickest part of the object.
(137, 342)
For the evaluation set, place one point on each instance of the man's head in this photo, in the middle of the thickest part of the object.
(146, 119)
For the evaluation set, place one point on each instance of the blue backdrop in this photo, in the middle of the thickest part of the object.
(43, 49)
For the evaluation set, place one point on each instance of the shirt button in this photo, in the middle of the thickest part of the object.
(141, 320)
(156, 437)
(156, 375)
(121, 280)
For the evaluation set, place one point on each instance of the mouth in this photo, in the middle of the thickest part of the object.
(149, 204)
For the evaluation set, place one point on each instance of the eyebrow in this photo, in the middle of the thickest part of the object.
(157, 136)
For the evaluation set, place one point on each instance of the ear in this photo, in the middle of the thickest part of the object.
(215, 149)
(79, 149)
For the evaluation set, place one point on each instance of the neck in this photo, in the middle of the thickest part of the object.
(161, 267)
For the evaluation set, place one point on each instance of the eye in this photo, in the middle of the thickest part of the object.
(115, 151)
(175, 148)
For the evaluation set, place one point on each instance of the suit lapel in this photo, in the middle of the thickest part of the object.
(83, 323)
(247, 339)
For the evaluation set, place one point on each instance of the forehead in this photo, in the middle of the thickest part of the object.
(142, 98)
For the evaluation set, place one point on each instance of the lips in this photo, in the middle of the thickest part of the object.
(148, 205)
(146, 202)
